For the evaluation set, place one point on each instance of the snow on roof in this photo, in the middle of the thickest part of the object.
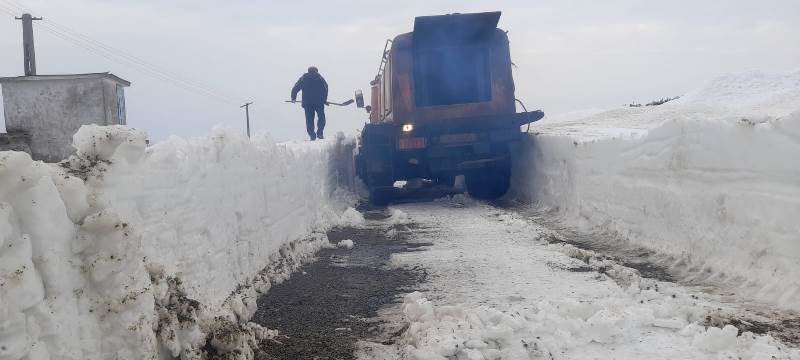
(103, 75)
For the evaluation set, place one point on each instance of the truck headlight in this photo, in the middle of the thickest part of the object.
(408, 127)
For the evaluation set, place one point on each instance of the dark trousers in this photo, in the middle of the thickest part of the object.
(310, 110)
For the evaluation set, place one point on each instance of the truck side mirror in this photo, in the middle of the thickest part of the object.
(359, 99)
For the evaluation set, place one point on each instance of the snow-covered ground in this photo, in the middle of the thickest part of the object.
(127, 252)
(706, 186)
(131, 252)
(711, 181)
(499, 288)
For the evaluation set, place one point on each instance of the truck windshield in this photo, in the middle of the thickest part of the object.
(451, 75)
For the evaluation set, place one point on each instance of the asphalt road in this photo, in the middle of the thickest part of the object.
(329, 305)
(469, 259)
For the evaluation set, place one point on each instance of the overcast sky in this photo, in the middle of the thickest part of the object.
(571, 55)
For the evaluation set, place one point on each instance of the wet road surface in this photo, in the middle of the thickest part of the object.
(329, 305)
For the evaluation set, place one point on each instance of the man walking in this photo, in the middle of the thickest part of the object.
(315, 97)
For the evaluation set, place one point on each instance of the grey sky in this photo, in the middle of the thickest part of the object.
(571, 55)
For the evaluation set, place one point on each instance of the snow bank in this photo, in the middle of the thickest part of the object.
(129, 252)
(711, 180)
(749, 94)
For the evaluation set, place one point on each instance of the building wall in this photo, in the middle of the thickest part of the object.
(15, 142)
(51, 111)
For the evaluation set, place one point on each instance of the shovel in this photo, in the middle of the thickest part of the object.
(348, 102)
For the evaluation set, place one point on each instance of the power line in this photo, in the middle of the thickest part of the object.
(110, 55)
(7, 10)
(156, 74)
(120, 57)
(130, 57)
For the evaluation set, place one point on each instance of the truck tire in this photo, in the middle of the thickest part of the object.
(380, 196)
(488, 184)
(445, 180)
(381, 189)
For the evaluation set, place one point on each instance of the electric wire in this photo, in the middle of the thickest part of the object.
(133, 58)
(118, 56)
(148, 70)
(152, 73)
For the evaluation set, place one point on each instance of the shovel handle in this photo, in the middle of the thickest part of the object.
(348, 102)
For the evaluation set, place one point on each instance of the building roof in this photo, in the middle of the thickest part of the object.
(105, 75)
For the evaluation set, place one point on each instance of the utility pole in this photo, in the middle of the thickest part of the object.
(246, 107)
(28, 49)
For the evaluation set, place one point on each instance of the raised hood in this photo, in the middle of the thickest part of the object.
(454, 29)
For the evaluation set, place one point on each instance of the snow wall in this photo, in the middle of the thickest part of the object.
(128, 252)
(711, 182)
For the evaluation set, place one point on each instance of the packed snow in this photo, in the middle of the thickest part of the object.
(499, 288)
(709, 181)
(347, 244)
(351, 217)
(128, 252)
(398, 217)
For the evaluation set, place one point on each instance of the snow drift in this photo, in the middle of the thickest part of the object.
(710, 181)
(129, 252)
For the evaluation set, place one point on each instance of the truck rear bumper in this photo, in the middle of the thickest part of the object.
(467, 157)
(481, 123)
(438, 159)
(451, 146)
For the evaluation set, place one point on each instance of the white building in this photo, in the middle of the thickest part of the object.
(46, 110)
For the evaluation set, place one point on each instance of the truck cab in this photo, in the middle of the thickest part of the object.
(443, 105)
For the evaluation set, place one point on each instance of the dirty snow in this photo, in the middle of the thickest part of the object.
(129, 252)
(709, 181)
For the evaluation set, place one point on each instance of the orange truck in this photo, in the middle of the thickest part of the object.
(443, 105)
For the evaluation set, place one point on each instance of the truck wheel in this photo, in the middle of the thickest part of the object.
(487, 184)
(380, 196)
(380, 189)
(445, 180)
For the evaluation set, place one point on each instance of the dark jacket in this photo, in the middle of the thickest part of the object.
(314, 88)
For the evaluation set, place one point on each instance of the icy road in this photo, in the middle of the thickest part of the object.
(500, 284)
